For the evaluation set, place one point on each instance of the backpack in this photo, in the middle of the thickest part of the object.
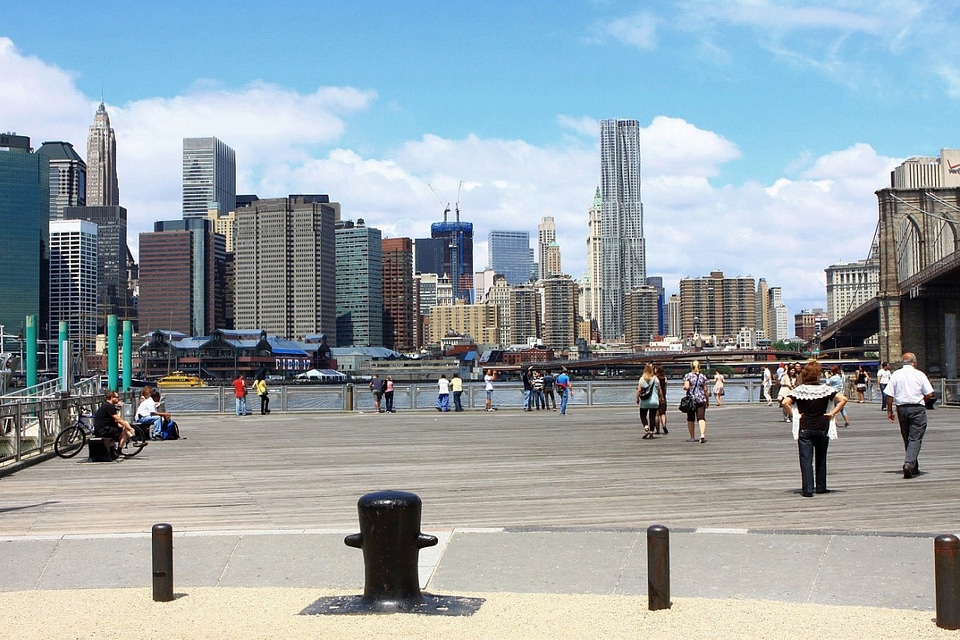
(170, 431)
(646, 393)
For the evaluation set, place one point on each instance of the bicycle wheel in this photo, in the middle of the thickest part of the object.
(134, 445)
(70, 442)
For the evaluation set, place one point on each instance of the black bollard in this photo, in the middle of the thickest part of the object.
(946, 562)
(658, 567)
(391, 540)
(162, 563)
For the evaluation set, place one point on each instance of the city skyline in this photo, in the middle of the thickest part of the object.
(753, 115)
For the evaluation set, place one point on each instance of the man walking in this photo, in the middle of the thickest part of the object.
(883, 379)
(909, 389)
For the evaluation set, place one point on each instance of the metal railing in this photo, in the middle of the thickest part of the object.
(30, 425)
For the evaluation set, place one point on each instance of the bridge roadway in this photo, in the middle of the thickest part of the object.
(589, 469)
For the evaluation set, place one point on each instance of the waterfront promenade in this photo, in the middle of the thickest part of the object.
(521, 502)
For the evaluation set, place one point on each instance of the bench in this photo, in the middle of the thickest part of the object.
(101, 449)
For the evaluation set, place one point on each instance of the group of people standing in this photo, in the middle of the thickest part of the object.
(541, 390)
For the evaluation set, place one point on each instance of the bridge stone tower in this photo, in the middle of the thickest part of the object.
(919, 295)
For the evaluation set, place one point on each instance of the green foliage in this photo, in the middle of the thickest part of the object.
(788, 345)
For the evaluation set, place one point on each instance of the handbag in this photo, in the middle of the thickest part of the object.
(688, 404)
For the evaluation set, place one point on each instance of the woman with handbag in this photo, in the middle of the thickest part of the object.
(648, 399)
(695, 384)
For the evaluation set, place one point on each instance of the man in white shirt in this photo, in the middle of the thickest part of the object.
(909, 389)
(883, 379)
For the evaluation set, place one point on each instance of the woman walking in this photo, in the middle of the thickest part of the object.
(695, 383)
(648, 398)
(862, 380)
(811, 430)
(662, 409)
(718, 387)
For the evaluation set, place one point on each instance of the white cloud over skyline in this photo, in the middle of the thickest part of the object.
(288, 141)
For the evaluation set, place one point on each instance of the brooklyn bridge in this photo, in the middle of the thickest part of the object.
(918, 300)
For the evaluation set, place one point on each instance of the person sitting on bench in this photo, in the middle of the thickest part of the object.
(148, 413)
(107, 422)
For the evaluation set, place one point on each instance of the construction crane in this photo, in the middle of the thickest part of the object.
(446, 210)
(459, 187)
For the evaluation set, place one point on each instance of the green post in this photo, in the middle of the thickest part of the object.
(31, 337)
(62, 355)
(112, 349)
(127, 354)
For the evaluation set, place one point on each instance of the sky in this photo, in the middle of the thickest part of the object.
(766, 125)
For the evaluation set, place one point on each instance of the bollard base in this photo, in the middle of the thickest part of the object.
(426, 604)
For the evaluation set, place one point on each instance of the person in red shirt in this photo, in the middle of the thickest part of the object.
(240, 393)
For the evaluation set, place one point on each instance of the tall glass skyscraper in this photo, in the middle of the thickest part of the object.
(209, 177)
(25, 218)
(359, 285)
(103, 189)
(508, 253)
(622, 251)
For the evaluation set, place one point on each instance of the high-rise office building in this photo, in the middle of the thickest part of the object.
(559, 312)
(715, 305)
(546, 235)
(209, 177)
(641, 315)
(850, 285)
(114, 296)
(187, 276)
(68, 177)
(359, 285)
(779, 316)
(508, 253)
(457, 247)
(525, 314)
(478, 321)
(103, 188)
(428, 255)
(24, 218)
(590, 284)
(928, 172)
(399, 308)
(285, 264)
(809, 322)
(622, 251)
(73, 283)
(551, 261)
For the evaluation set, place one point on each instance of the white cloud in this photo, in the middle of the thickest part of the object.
(638, 30)
(287, 142)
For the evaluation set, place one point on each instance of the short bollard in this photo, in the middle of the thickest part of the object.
(391, 540)
(946, 562)
(162, 563)
(658, 567)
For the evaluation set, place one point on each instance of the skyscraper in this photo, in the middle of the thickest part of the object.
(559, 312)
(178, 277)
(508, 253)
(359, 285)
(103, 189)
(285, 265)
(546, 234)
(114, 296)
(622, 251)
(73, 282)
(715, 305)
(68, 177)
(24, 218)
(209, 177)
(591, 284)
(399, 310)
(457, 249)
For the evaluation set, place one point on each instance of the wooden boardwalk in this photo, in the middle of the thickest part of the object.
(589, 469)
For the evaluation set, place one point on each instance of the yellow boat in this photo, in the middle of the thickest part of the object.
(180, 380)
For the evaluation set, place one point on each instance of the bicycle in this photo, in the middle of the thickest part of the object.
(72, 439)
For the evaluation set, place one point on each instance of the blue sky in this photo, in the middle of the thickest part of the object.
(767, 125)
